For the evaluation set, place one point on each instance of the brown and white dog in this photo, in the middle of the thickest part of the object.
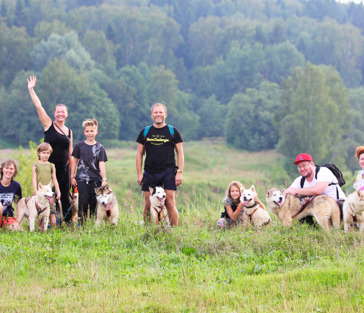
(253, 212)
(158, 210)
(323, 208)
(353, 211)
(36, 207)
(107, 206)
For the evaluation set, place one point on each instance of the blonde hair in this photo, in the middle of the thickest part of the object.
(234, 183)
(7, 163)
(359, 150)
(89, 122)
(60, 105)
(158, 105)
(45, 146)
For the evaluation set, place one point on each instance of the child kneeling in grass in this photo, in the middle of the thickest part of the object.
(89, 157)
(234, 211)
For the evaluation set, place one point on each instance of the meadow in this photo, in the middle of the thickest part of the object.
(191, 268)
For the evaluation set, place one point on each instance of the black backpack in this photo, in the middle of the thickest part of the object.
(334, 169)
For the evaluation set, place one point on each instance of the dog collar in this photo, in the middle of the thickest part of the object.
(249, 207)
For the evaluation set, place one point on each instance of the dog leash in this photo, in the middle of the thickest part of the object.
(304, 205)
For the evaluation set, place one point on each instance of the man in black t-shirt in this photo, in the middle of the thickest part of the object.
(159, 143)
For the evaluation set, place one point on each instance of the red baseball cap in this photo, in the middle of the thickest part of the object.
(303, 157)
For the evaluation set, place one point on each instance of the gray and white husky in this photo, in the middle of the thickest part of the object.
(36, 207)
(107, 205)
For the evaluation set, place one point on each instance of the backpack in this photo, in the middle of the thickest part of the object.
(334, 169)
(146, 130)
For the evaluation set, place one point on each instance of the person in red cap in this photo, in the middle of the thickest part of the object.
(324, 182)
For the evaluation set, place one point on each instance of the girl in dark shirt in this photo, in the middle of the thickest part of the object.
(60, 138)
(10, 191)
(234, 210)
(233, 207)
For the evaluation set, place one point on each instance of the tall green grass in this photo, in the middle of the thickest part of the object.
(192, 268)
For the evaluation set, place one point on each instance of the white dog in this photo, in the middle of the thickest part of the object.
(37, 206)
(253, 212)
(107, 205)
(158, 210)
(353, 210)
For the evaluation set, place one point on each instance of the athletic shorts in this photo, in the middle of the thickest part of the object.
(165, 179)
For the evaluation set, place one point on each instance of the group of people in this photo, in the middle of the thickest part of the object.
(312, 181)
(83, 166)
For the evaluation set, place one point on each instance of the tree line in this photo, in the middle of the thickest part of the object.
(263, 74)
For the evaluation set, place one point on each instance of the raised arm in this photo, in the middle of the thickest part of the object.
(42, 114)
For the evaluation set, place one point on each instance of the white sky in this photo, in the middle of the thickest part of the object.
(347, 1)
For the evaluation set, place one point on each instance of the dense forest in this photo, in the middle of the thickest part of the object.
(263, 74)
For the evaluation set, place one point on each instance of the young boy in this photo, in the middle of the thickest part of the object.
(44, 172)
(89, 157)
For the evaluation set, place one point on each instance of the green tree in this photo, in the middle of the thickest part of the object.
(249, 123)
(15, 45)
(16, 106)
(212, 118)
(59, 83)
(281, 59)
(163, 87)
(101, 49)
(61, 47)
(314, 114)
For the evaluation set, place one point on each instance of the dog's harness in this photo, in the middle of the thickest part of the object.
(158, 213)
(40, 210)
(304, 204)
(251, 215)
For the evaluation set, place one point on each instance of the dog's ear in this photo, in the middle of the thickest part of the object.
(252, 188)
(282, 190)
(267, 194)
(40, 186)
(151, 189)
(162, 186)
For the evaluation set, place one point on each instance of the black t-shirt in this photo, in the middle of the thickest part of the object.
(159, 147)
(7, 195)
(225, 213)
(89, 157)
(60, 144)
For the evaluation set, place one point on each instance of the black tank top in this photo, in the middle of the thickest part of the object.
(60, 144)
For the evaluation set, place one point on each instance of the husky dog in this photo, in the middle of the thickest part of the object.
(74, 207)
(323, 208)
(107, 205)
(353, 210)
(158, 210)
(36, 206)
(253, 212)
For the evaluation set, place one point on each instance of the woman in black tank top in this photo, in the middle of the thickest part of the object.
(60, 138)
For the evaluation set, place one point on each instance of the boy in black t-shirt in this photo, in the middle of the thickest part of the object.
(159, 142)
(89, 157)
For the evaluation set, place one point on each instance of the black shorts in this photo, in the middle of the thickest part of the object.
(165, 179)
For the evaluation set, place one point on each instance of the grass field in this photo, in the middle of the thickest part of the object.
(192, 268)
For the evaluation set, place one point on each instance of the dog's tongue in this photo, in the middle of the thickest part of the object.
(50, 199)
(245, 203)
(280, 203)
(162, 201)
